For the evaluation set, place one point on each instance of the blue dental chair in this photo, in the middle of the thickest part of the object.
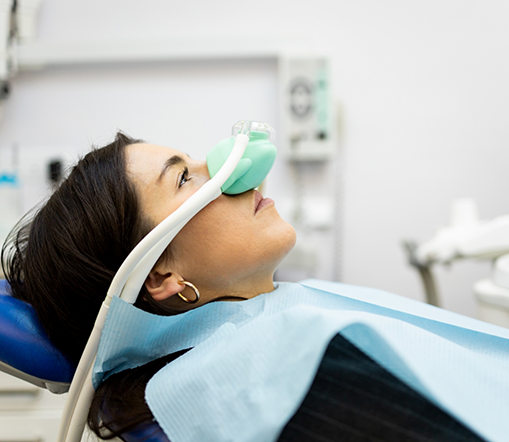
(27, 353)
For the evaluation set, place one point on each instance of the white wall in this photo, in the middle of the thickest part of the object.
(422, 84)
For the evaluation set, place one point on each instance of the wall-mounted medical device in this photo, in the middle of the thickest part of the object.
(308, 140)
(306, 121)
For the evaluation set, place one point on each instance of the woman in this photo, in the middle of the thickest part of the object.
(63, 261)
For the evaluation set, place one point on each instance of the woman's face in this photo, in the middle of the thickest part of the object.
(228, 249)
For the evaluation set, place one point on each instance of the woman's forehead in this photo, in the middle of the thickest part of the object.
(145, 158)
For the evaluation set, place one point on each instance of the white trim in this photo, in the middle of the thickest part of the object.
(41, 54)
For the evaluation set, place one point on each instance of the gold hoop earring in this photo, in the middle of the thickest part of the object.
(196, 292)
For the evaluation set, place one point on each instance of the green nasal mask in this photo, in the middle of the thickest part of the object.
(255, 164)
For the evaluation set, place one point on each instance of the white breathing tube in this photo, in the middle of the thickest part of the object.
(128, 281)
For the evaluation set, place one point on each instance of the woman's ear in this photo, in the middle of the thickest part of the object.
(162, 286)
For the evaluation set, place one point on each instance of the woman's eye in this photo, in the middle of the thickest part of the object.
(184, 178)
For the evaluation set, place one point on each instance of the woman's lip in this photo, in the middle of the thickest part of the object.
(260, 202)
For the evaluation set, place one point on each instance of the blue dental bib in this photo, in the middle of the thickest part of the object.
(252, 362)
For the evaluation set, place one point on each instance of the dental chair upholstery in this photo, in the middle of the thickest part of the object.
(25, 350)
(28, 354)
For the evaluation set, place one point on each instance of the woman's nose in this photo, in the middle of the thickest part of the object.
(203, 169)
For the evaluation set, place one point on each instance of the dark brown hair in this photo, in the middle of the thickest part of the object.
(74, 245)
(119, 403)
(61, 259)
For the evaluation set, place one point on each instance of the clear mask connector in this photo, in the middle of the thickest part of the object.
(254, 130)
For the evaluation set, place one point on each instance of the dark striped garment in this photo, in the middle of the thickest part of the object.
(353, 398)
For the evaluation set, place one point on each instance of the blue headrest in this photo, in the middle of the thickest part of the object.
(25, 347)
(26, 352)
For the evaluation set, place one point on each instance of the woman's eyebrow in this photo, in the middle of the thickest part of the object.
(175, 160)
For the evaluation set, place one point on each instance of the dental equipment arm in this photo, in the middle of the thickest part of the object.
(428, 280)
(482, 239)
(134, 270)
(466, 237)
